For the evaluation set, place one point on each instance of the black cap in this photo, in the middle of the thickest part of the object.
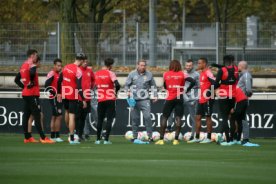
(81, 56)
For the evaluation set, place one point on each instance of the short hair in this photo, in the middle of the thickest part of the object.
(141, 60)
(57, 60)
(175, 66)
(205, 60)
(31, 52)
(228, 59)
(190, 61)
(108, 62)
(80, 56)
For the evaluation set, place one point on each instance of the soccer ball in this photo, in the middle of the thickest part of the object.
(76, 138)
(213, 137)
(202, 135)
(217, 136)
(168, 136)
(143, 136)
(187, 136)
(179, 136)
(129, 135)
(155, 136)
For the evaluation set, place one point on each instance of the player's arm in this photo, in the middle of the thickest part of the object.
(115, 81)
(192, 83)
(92, 80)
(17, 80)
(79, 87)
(153, 86)
(128, 83)
(248, 85)
(60, 79)
(217, 81)
(48, 83)
(32, 76)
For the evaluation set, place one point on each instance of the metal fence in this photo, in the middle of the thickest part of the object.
(126, 43)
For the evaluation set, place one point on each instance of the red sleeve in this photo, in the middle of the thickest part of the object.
(112, 76)
(92, 79)
(78, 73)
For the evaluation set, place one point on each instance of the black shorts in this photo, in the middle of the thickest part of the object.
(88, 107)
(177, 105)
(71, 105)
(56, 107)
(205, 109)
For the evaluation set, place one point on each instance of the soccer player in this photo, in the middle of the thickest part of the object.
(226, 82)
(190, 98)
(205, 102)
(106, 81)
(243, 93)
(174, 82)
(88, 81)
(138, 85)
(31, 119)
(51, 86)
(30, 93)
(70, 78)
(93, 113)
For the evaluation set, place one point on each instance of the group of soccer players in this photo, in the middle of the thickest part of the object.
(72, 87)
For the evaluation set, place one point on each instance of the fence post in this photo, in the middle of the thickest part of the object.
(152, 32)
(137, 41)
(58, 40)
(217, 42)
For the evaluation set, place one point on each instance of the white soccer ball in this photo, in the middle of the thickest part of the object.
(213, 137)
(155, 136)
(168, 136)
(76, 138)
(217, 136)
(202, 135)
(179, 136)
(129, 135)
(143, 136)
(187, 136)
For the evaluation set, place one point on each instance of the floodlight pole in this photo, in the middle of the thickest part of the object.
(152, 33)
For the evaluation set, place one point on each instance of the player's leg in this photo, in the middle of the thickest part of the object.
(198, 117)
(192, 106)
(110, 116)
(146, 109)
(26, 116)
(135, 119)
(179, 111)
(66, 113)
(73, 112)
(53, 119)
(240, 112)
(101, 116)
(225, 111)
(58, 120)
(209, 111)
(82, 118)
(36, 113)
(167, 110)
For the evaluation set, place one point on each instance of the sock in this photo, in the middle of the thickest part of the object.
(209, 136)
(57, 135)
(72, 137)
(42, 135)
(197, 136)
(52, 135)
(176, 138)
(27, 135)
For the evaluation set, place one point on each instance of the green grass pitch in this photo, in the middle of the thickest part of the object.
(124, 162)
